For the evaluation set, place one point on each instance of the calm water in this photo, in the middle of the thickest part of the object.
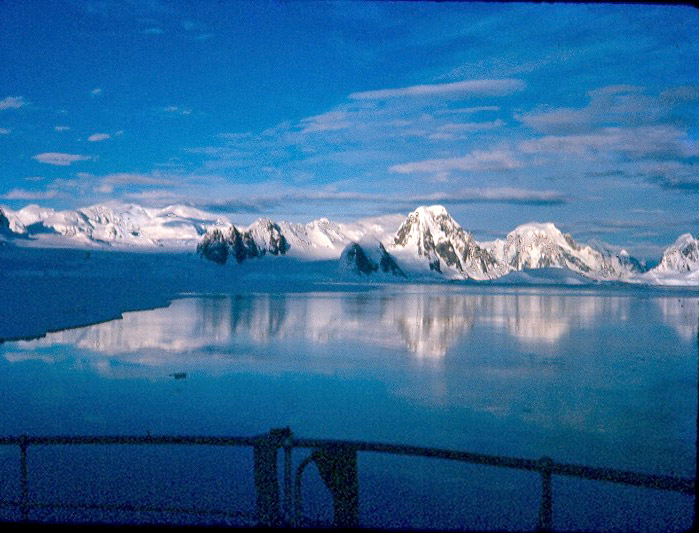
(600, 378)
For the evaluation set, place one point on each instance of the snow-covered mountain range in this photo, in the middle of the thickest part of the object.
(427, 244)
(114, 224)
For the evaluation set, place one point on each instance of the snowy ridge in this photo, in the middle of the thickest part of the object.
(319, 238)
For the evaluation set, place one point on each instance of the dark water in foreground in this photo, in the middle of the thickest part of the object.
(593, 377)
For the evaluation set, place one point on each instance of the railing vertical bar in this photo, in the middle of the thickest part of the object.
(298, 502)
(546, 507)
(696, 441)
(24, 496)
(287, 481)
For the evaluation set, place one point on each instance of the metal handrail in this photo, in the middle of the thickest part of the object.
(651, 481)
(292, 506)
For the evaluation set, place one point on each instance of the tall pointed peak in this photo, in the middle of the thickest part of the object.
(432, 211)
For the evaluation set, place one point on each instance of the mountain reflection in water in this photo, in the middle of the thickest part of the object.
(425, 324)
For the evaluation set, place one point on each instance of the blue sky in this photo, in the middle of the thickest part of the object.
(581, 115)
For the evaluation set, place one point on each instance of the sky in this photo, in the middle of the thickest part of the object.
(584, 115)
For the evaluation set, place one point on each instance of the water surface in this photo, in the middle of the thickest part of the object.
(596, 377)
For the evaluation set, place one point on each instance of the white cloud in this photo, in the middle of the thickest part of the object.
(12, 102)
(178, 110)
(61, 160)
(22, 194)
(492, 194)
(153, 31)
(4, 131)
(124, 178)
(669, 174)
(130, 178)
(479, 87)
(331, 121)
(34, 178)
(96, 137)
(96, 92)
(449, 131)
(61, 183)
(644, 141)
(469, 110)
(480, 160)
(157, 196)
(61, 128)
(677, 95)
(471, 126)
(563, 119)
(283, 196)
(615, 89)
(614, 105)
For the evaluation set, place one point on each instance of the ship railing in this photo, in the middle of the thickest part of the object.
(336, 461)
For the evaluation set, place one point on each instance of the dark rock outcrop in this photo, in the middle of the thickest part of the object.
(358, 260)
(262, 238)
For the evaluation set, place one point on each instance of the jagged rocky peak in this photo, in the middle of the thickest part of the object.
(214, 247)
(434, 235)
(261, 238)
(368, 258)
(682, 256)
(424, 226)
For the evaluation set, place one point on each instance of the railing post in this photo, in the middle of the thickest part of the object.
(288, 445)
(546, 506)
(24, 494)
(266, 483)
(337, 466)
